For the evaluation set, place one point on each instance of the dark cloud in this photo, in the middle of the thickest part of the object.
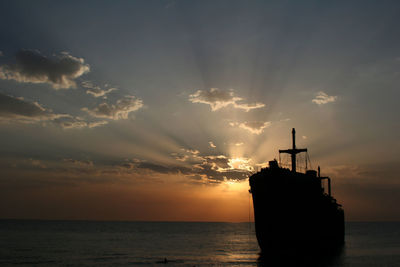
(31, 66)
(137, 165)
(213, 169)
(18, 109)
(210, 173)
(367, 191)
(217, 162)
(163, 169)
(366, 173)
(209, 169)
(118, 111)
(218, 99)
(220, 168)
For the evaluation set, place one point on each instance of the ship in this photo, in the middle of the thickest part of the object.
(294, 211)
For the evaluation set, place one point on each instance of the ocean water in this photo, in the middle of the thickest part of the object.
(89, 243)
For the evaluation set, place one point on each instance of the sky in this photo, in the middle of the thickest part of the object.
(160, 110)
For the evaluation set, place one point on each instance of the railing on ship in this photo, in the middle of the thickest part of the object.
(298, 168)
(303, 162)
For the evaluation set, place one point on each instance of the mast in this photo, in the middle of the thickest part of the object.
(294, 151)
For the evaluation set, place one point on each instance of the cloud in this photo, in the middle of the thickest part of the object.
(212, 144)
(31, 66)
(208, 169)
(217, 162)
(254, 127)
(189, 163)
(190, 156)
(96, 124)
(20, 110)
(17, 109)
(322, 98)
(162, 169)
(248, 107)
(218, 99)
(37, 163)
(138, 165)
(240, 164)
(70, 122)
(96, 90)
(192, 151)
(215, 97)
(80, 163)
(215, 168)
(118, 111)
(221, 168)
(212, 169)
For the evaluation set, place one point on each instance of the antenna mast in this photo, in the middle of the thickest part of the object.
(294, 151)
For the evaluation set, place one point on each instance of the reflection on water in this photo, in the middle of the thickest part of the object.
(79, 243)
(332, 256)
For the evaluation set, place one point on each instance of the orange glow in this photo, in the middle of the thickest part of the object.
(174, 201)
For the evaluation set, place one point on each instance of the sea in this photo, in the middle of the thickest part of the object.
(94, 243)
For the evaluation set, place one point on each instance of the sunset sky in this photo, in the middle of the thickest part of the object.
(159, 110)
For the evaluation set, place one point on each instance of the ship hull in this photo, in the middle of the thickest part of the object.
(292, 212)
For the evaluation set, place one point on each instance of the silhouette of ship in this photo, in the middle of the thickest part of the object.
(292, 210)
